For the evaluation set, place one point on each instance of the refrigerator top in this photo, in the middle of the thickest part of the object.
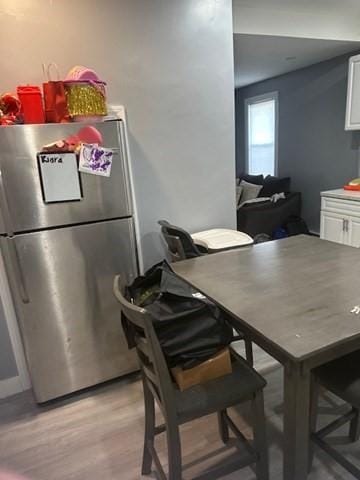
(89, 197)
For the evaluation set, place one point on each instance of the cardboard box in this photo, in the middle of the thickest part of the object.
(214, 367)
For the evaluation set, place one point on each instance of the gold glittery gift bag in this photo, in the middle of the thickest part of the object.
(86, 95)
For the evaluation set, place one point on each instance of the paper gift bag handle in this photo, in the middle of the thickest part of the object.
(47, 71)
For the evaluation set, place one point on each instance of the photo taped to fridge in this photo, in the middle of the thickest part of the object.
(59, 177)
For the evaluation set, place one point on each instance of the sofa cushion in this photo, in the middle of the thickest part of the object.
(274, 185)
(254, 179)
(249, 191)
(239, 190)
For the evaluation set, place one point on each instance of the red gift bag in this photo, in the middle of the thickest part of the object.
(55, 103)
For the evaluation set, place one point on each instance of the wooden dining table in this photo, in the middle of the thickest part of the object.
(295, 298)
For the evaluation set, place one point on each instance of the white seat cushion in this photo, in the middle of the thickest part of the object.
(221, 239)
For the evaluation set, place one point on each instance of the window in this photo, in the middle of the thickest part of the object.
(261, 120)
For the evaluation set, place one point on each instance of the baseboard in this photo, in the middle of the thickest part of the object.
(10, 386)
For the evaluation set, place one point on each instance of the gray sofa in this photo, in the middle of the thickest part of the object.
(266, 217)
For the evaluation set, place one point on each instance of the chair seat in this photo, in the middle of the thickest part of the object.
(342, 377)
(220, 393)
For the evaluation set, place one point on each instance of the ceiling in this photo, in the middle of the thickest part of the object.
(259, 57)
(325, 19)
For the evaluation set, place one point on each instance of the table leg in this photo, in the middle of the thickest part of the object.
(296, 421)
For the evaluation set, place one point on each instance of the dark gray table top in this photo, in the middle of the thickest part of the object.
(297, 293)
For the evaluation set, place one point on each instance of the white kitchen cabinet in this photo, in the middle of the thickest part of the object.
(332, 227)
(340, 217)
(352, 118)
(354, 232)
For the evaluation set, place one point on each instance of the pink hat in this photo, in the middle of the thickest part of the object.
(83, 74)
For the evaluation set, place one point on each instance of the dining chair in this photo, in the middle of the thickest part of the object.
(179, 242)
(182, 245)
(179, 407)
(342, 378)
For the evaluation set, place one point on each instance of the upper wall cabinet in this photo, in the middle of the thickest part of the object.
(352, 119)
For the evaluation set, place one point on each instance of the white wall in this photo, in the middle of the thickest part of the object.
(170, 62)
(324, 19)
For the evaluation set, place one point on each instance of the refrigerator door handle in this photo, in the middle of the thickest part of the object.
(5, 207)
(18, 273)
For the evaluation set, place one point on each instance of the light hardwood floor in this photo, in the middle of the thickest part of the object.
(97, 434)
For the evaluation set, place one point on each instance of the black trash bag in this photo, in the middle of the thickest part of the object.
(295, 225)
(190, 328)
(262, 238)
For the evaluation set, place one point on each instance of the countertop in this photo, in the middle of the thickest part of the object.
(342, 194)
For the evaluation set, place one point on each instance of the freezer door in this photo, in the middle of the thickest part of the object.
(69, 318)
(20, 188)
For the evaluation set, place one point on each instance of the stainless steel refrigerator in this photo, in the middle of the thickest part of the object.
(61, 258)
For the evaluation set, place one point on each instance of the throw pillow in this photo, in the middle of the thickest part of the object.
(239, 190)
(250, 191)
(254, 179)
(274, 185)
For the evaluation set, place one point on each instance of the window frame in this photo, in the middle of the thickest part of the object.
(259, 99)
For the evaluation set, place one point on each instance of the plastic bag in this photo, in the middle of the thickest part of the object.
(189, 326)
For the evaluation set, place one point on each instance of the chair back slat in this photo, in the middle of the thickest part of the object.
(175, 247)
(150, 374)
(143, 346)
(155, 391)
(179, 241)
(151, 357)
